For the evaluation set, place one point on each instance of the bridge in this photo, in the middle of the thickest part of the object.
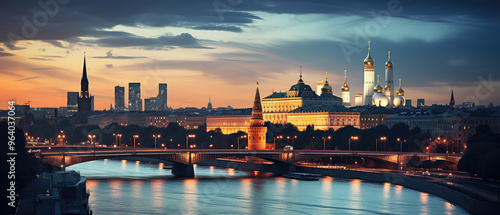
(183, 160)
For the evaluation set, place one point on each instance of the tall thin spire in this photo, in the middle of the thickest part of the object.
(389, 55)
(452, 100)
(326, 76)
(345, 77)
(369, 46)
(85, 81)
(300, 72)
(378, 79)
(300, 76)
(400, 83)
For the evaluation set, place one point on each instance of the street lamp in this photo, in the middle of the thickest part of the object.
(400, 144)
(352, 138)
(61, 139)
(243, 136)
(156, 137)
(293, 141)
(446, 146)
(187, 139)
(135, 136)
(324, 142)
(119, 139)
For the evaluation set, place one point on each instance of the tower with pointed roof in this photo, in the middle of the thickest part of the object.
(257, 130)
(389, 81)
(369, 77)
(84, 99)
(346, 100)
(452, 100)
(209, 106)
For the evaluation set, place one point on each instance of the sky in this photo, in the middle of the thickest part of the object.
(219, 49)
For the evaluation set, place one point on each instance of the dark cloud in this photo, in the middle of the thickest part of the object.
(5, 54)
(109, 55)
(184, 40)
(25, 79)
(40, 58)
(218, 28)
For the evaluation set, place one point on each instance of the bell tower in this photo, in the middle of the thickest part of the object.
(257, 130)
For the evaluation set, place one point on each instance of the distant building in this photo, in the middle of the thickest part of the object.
(209, 105)
(420, 103)
(452, 100)
(84, 100)
(44, 113)
(134, 97)
(456, 124)
(229, 121)
(374, 118)
(358, 99)
(151, 104)
(408, 103)
(323, 117)
(119, 98)
(72, 103)
(162, 97)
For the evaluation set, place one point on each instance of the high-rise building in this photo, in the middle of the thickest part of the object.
(119, 98)
(420, 102)
(369, 77)
(91, 103)
(134, 97)
(408, 103)
(257, 130)
(84, 100)
(162, 96)
(358, 99)
(389, 81)
(346, 100)
(72, 103)
(151, 104)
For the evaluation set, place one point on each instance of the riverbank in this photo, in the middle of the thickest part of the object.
(467, 202)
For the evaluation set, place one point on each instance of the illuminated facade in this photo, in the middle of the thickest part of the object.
(324, 117)
(277, 105)
(358, 99)
(257, 130)
(369, 77)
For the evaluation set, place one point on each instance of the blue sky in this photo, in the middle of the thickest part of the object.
(220, 48)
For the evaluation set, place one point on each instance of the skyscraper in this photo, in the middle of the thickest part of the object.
(134, 97)
(346, 100)
(369, 77)
(162, 96)
(84, 100)
(119, 98)
(389, 81)
(72, 102)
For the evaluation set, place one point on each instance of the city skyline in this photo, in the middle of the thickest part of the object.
(211, 52)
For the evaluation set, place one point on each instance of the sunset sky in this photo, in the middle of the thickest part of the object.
(220, 48)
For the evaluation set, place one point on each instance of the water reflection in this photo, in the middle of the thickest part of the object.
(190, 205)
(144, 188)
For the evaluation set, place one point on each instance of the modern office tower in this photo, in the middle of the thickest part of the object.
(84, 100)
(162, 96)
(134, 97)
(119, 98)
(151, 104)
(72, 103)
(420, 102)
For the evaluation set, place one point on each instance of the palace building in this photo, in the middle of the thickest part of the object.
(277, 106)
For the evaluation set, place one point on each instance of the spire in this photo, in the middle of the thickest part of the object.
(345, 87)
(400, 84)
(369, 56)
(452, 100)
(300, 76)
(84, 93)
(326, 76)
(257, 107)
(389, 55)
(378, 79)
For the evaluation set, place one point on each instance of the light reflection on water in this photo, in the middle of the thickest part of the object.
(125, 187)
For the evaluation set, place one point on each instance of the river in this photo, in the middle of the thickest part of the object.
(132, 187)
